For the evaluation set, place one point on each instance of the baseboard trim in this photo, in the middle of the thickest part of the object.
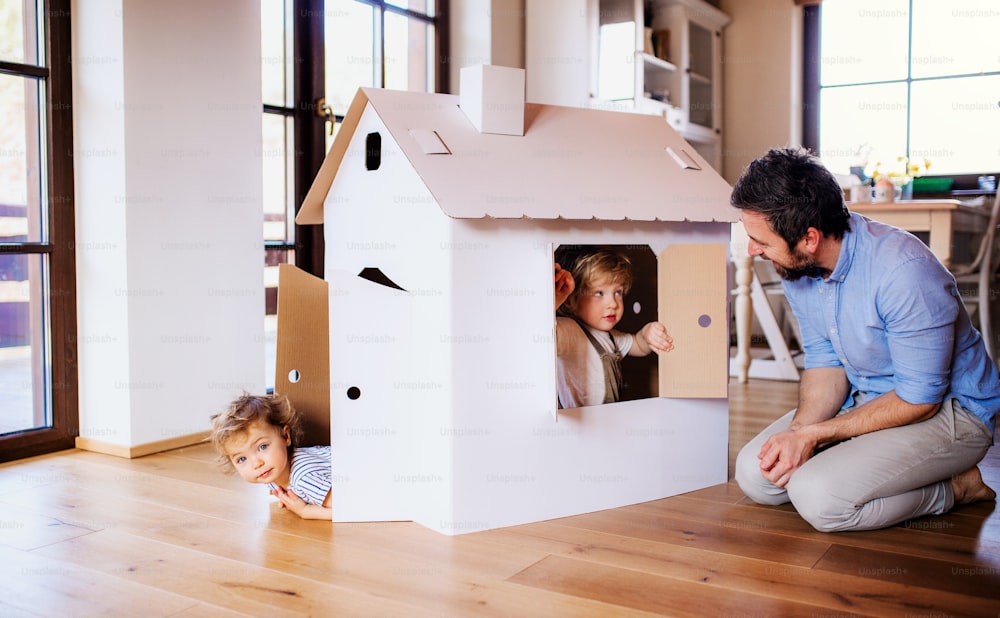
(141, 450)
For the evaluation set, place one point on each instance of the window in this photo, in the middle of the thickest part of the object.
(379, 44)
(609, 266)
(903, 78)
(314, 57)
(37, 268)
(277, 141)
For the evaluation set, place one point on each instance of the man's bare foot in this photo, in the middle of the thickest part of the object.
(969, 487)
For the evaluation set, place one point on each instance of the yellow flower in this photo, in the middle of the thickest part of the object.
(902, 171)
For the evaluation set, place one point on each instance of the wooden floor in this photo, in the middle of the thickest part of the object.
(83, 534)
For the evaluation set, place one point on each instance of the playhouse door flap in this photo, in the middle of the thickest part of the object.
(692, 299)
(302, 364)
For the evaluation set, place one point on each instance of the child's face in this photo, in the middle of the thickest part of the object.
(601, 304)
(260, 454)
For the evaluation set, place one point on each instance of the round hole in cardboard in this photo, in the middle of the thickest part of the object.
(353, 392)
(294, 376)
(704, 320)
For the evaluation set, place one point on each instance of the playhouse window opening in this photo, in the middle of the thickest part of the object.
(373, 151)
(375, 275)
(635, 265)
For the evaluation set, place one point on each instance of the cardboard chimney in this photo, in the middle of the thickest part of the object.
(441, 227)
(493, 98)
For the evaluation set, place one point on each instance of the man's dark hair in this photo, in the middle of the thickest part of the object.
(795, 192)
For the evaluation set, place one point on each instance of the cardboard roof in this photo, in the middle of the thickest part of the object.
(571, 163)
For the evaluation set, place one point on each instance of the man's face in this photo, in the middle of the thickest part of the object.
(790, 264)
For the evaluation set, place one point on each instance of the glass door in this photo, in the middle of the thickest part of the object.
(701, 108)
(24, 337)
(37, 264)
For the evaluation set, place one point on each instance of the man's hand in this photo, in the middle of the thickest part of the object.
(783, 454)
(822, 390)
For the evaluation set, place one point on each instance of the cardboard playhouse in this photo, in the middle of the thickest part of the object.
(443, 214)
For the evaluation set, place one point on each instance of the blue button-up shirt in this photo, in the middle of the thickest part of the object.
(891, 315)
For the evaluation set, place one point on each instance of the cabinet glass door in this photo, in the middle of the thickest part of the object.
(700, 106)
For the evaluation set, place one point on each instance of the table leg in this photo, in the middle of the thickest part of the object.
(941, 235)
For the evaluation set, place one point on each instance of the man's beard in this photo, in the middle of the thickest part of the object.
(804, 267)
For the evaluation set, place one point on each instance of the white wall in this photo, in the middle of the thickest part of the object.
(559, 35)
(485, 32)
(167, 131)
(102, 242)
(507, 32)
(762, 87)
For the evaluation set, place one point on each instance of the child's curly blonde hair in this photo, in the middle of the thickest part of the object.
(247, 409)
(588, 267)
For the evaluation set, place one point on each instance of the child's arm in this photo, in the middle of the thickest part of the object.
(564, 285)
(653, 336)
(299, 506)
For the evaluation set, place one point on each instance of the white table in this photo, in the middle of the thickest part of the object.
(942, 219)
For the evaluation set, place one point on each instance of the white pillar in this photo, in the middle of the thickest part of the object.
(485, 32)
(167, 162)
(560, 45)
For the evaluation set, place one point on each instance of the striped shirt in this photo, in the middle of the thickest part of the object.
(312, 473)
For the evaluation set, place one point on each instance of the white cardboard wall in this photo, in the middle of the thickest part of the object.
(453, 422)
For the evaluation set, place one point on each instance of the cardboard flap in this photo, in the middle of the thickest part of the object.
(302, 365)
(694, 308)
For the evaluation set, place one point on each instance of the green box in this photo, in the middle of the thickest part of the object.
(932, 185)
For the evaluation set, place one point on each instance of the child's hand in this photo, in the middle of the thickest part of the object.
(564, 285)
(289, 500)
(654, 336)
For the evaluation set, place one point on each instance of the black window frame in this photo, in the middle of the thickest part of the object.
(59, 245)
(965, 184)
(310, 116)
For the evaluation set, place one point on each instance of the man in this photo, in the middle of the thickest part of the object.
(898, 397)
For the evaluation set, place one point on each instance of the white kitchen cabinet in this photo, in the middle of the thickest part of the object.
(661, 57)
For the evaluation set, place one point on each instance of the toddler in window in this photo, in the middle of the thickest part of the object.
(589, 296)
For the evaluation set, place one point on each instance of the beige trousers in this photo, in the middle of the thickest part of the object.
(875, 480)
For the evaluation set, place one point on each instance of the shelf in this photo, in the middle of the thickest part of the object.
(655, 107)
(611, 105)
(695, 132)
(698, 77)
(652, 61)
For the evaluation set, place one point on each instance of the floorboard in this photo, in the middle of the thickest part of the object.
(86, 534)
(647, 592)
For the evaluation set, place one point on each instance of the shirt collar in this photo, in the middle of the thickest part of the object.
(848, 243)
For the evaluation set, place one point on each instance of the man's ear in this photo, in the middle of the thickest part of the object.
(811, 240)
